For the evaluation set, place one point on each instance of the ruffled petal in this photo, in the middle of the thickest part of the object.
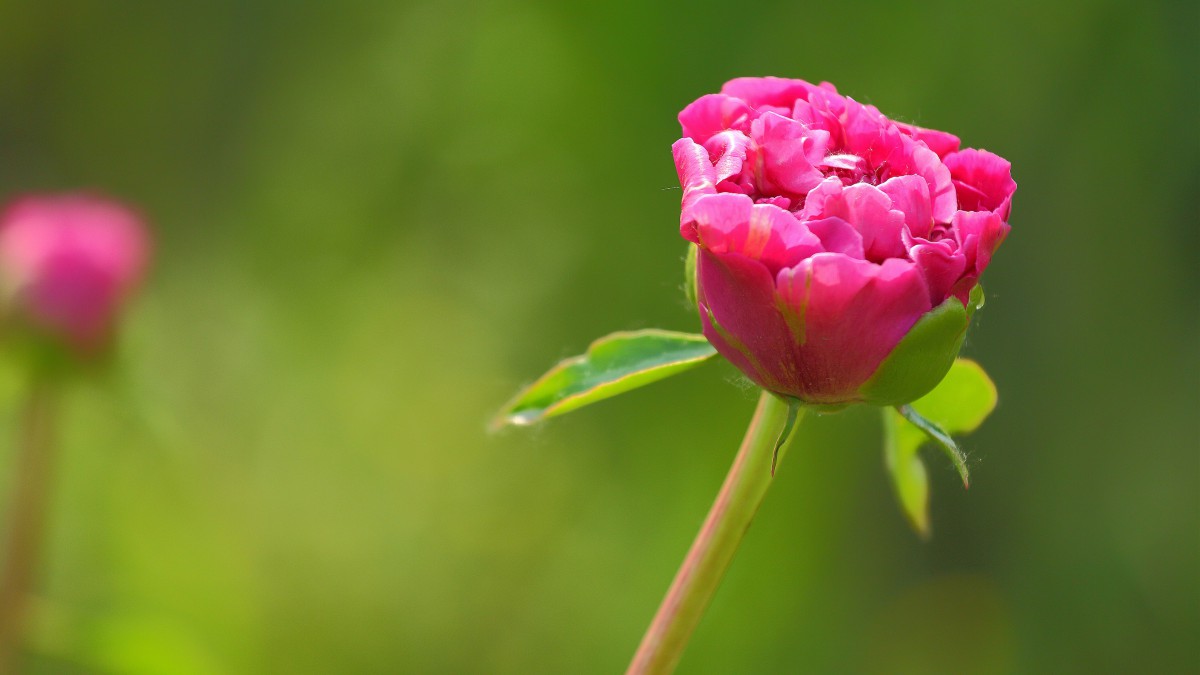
(697, 177)
(983, 181)
(814, 204)
(865, 207)
(727, 152)
(938, 141)
(852, 314)
(926, 164)
(786, 152)
(979, 234)
(865, 129)
(888, 152)
(825, 109)
(711, 114)
(777, 92)
(941, 264)
(910, 196)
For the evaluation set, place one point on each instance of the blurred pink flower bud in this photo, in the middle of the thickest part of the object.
(839, 250)
(67, 264)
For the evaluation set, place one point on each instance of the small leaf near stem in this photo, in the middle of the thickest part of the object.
(958, 405)
(612, 365)
(907, 471)
(714, 547)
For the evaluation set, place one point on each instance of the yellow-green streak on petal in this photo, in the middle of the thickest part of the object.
(795, 319)
(734, 342)
(758, 235)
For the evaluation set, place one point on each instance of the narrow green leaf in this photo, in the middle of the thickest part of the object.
(612, 365)
(958, 405)
(939, 436)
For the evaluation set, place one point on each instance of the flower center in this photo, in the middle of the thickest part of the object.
(851, 169)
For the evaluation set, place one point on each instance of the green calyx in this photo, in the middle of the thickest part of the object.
(924, 355)
(689, 274)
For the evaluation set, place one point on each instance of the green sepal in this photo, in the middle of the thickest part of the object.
(924, 356)
(611, 365)
(689, 274)
(789, 425)
(958, 405)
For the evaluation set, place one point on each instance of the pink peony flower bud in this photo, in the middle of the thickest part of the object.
(67, 264)
(838, 250)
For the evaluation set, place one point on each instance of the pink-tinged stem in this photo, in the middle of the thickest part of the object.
(715, 545)
(31, 474)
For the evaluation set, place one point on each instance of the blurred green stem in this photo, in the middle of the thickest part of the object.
(714, 547)
(30, 487)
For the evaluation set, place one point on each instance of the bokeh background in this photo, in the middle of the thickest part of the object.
(376, 219)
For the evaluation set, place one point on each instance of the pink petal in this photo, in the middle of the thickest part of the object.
(853, 313)
(910, 196)
(983, 180)
(717, 216)
(768, 91)
(892, 153)
(814, 204)
(864, 129)
(825, 109)
(865, 207)
(938, 141)
(697, 177)
(711, 114)
(745, 325)
(979, 234)
(942, 265)
(837, 236)
(925, 163)
(786, 151)
(731, 223)
(782, 202)
(727, 152)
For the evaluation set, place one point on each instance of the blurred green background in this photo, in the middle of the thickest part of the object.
(376, 219)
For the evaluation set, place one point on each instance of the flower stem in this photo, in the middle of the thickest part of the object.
(715, 545)
(31, 478)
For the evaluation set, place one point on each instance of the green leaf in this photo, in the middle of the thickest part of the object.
(958, 405)
(962, 401)
(612, 365)
(907, 472)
